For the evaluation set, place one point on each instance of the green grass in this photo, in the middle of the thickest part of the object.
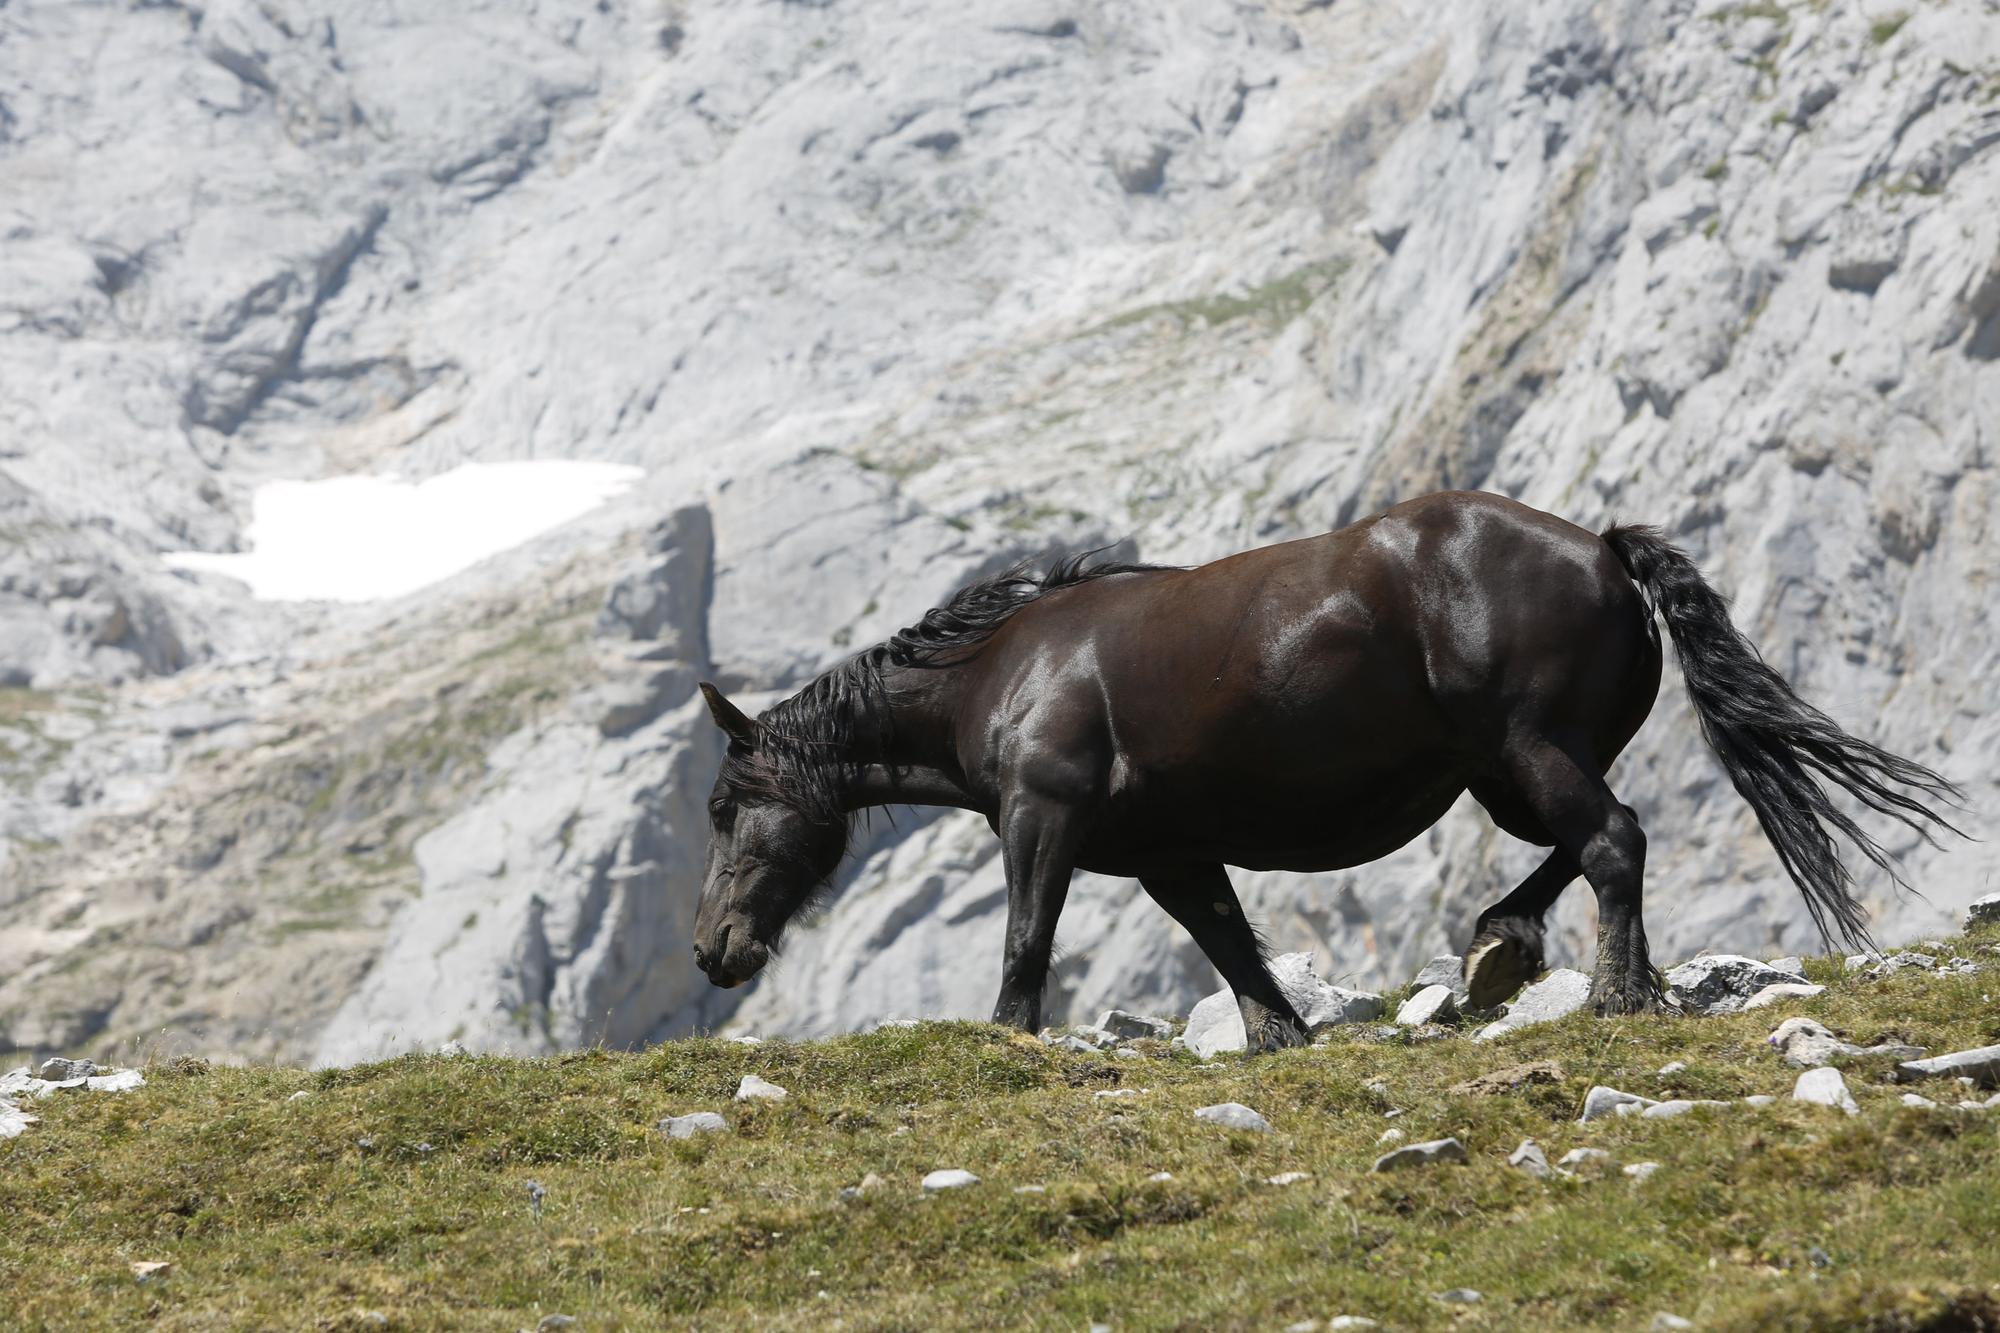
(1885, 28)
(1274, 304)
(275, 1214)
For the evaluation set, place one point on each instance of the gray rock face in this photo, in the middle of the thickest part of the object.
(1722, 983)
(1558, 995)
(1433, 1153)
(1777, 336)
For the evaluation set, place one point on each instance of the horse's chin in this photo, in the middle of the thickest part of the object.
(741, 965)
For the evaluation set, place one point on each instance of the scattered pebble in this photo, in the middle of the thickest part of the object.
(1234, 1115)
(536, 1193)
(1130, 1027)
(1561, 993)
(1671, 1067)
(756, 1089)
(300, 1095)
(1421, 1154)
(1680, 1106)
(1391, 1135)
(1825, 1087)
(1670, 1323)
(145, 1270)
(1784, 990)
(1529, 1157)
(1160, 1177)
(1721, 983)
(746, 1040)
(1075, 1044)
(59, 1070)
(1428, 1005)
(1116, 1094)
(1805, 1044)
(1601, 1102)
(1922, 1103)
(1641, 1170)
(950, 1178)
(554, 1321)
(453, 1049)
(1759, 1099)
(1288, 1178)
(1042, 1189)
(685, 1126)
(1461, 1296)
(1579, 1161)
(1341, 1322)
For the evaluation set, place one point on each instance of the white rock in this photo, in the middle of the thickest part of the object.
(1983, 911)
(1160, 1177)
(1429, 1005)
(745, 1040)
(1461, 1296)
(948, 1178)
(14, 1121)
(1558, 995)
(1584, 1161)
(452, 1049)
(1825, 1087)
(117, 1080)
(1390, 1135)
(1721, 983)
(1234, 1115)
(1919, 1101)
(1784, 990)
(1529, 1157)
(1288, 1178)
(1664, 1322)
(1601, 1101)
(1433, 1153)
(1641, 1170)
(755, 1088)
(1344, 1323)
(1791, 965)
(1981, 1066)
(1760, 1099)
(1039, 1189)
(1128, 1026)
(1671, 1067)
(1215, 1025)
(687, 1126)
(1674, 1109)
(1116, 1094)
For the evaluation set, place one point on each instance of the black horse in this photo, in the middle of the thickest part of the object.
(1307, 706)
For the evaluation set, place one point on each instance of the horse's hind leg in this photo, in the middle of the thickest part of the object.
(1506, 949)
(1202, 899)
(1603, 836)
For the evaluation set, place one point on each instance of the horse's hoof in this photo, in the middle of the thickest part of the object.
(1496, 966)
(1265, 1031)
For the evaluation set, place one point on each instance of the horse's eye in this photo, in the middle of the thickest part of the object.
(723, 809)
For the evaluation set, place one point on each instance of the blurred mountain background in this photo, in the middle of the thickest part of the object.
(874, 299)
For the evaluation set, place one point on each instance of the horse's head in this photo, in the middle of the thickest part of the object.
(766, 853)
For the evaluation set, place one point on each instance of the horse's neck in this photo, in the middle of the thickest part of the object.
(916, 765)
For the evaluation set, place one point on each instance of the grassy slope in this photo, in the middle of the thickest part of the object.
(273, 1215)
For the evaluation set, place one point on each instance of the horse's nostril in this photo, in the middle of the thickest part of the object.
(722, 943)
(700, 958)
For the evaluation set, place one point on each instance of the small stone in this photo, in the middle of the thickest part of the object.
(1670, 1323)
(1340, 1323)
(60, 1070)
(1433, 1153)
(536, 1193)
(1428, 1005)
(1641, 1170)
(1720, 983)
(1461, 1296)
(1676, 1108)
(554, 1321)
(1919, 1101)
(14, 1121)
(1160, 1177)
(1561, 993)
(1972, 1106)
(1759, 1099)
(1529, 1157)
(870, 1182)
(1378, 1087)
(1288, 1178)
(118, 1080)
(1447, 970)
(453, 1049)
(746, 1040)
(1601, 1102)
(1585, 1161)
(1128, 1053)
(1130, 1027)
(1981, 1065)
(1782, 991)
(756, 1089)
(1854, 962)
(1216, 1023)
(1983, 911)
(1116, 1094)
(1791, 964)
(300, 1095)
(1672, 1067)
(1234, 1115)
(148, 1270)
(1391, 1135)
(687, 1126)
(950, 1178)
(1825, 1087)
(1903, 962)
(1039, 1189)
(1075, 1044)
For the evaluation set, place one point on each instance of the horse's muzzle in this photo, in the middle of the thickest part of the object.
(733, 956)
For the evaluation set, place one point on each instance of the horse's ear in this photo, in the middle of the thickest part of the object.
(734, 723)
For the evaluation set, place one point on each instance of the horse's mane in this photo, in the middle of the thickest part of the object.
(801, 757)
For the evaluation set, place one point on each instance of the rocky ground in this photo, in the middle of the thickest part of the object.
(881, 297)
(1700, 1169)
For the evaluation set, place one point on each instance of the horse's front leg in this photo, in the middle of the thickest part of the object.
(1038, 842)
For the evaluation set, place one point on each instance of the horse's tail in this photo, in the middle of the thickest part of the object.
(1779, 750)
